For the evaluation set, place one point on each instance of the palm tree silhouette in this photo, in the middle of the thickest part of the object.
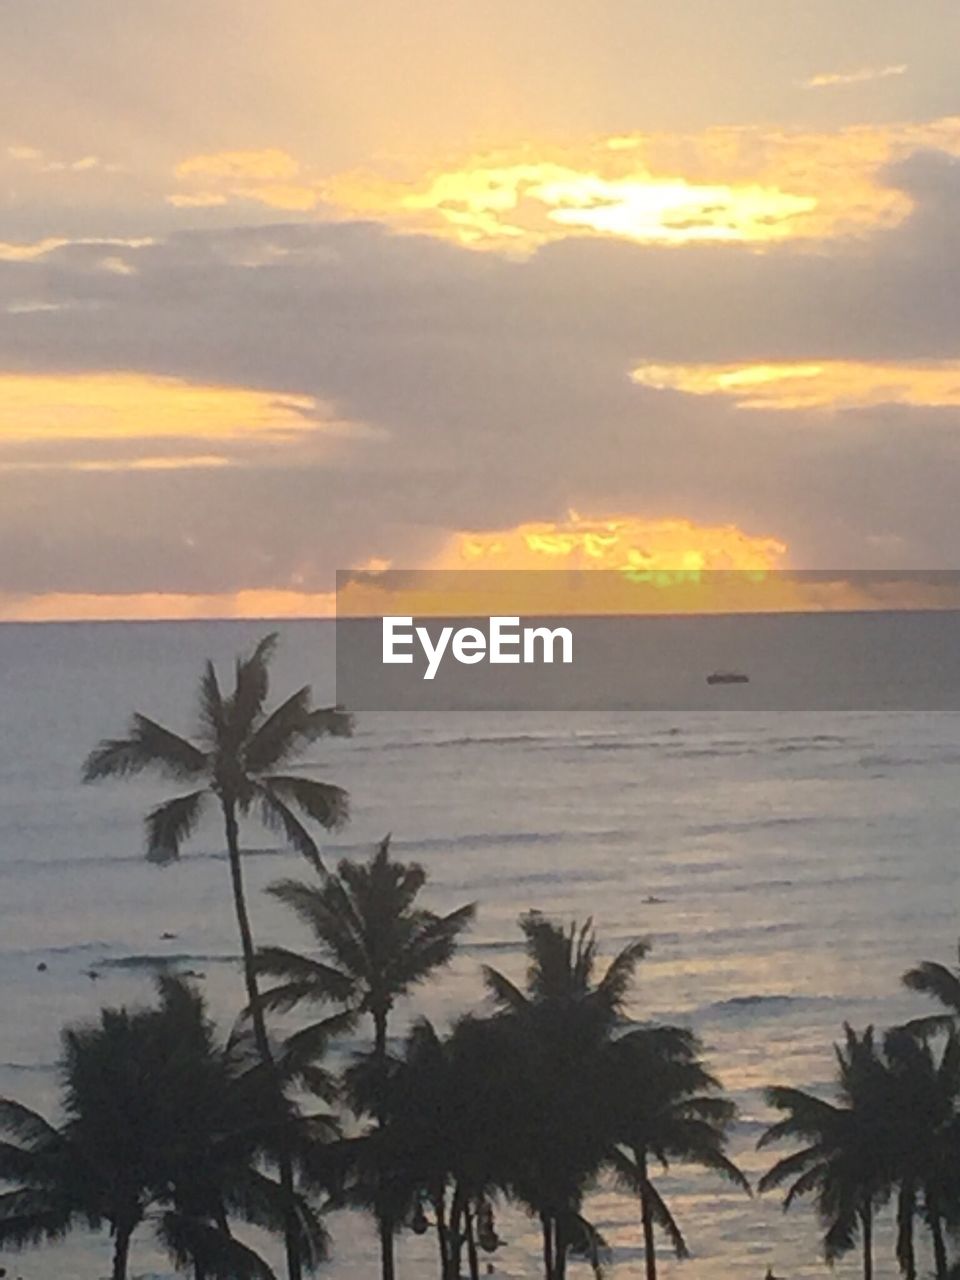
(925, 1136)
(161, 1121)
(57, 1188)
(223, 1115)
(234, 761)
(847, 1163)
(375, 944)
(442, 1133)
(554, 1111)
(667, 1109)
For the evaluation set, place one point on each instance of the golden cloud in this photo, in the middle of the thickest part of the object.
(815, 384)
(31, 250)
(612, 543)
(745, 184)
(270, 177)
(636, 565)
(863, 75)
(145, 423)
(124, 406)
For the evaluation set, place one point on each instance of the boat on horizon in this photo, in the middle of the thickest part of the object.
(728, 677)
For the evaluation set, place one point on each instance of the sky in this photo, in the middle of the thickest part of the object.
(308, 286)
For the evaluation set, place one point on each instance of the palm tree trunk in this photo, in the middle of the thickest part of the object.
(939, 1244)
(906, 1207)
(291, 1232)
(455, 1235)
(866, 1222)
(472, 1256)
(440, 1217)
(121, 1252)
(384, 1218)
(559, 1252)
(646, 1217)
(548, 1253)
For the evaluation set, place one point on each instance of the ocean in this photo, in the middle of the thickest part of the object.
(787, 867)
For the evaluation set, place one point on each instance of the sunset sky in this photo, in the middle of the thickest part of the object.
(308, 285)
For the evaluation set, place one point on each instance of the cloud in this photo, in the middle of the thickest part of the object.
(28, 251)
(103, 422)
(612, 542)
(747, 184)
(480, 393)
(831, 79)
(825, 384)
(269, 177)
(39, 162)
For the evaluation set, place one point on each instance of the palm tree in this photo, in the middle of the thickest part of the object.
(222, 1114)
(847, 1162)
(374, 944)
(442, 1133)
(161, 1122)
(56, 1187)
(98, 1167)
(239, 747)
(922, 1106)
(667, 1109)
(555, 1114)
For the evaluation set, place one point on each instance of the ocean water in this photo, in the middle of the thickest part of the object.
(786, 866)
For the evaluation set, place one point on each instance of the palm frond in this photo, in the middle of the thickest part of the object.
(193, 1242)
(212, 716)
(432, 944)
(323, 981)
(506, 994)
(28, 1127)
(325, 803)
(665, 1220)
(627, 1172)
(279, 817)
(330, 913)
(711, 1157)
(259, 1200)
(808, 1116)
(305, 1047)
(841, 1236)
(281, 734)
(169, 824)
(250, 691)
(148, 746)
(31, 1217)
(616, 982)
(935, 980)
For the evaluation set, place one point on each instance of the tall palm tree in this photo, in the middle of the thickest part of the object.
(667, 1109)
(556, 1114)
(374, 944)
(846, 1164)
(233, 763)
